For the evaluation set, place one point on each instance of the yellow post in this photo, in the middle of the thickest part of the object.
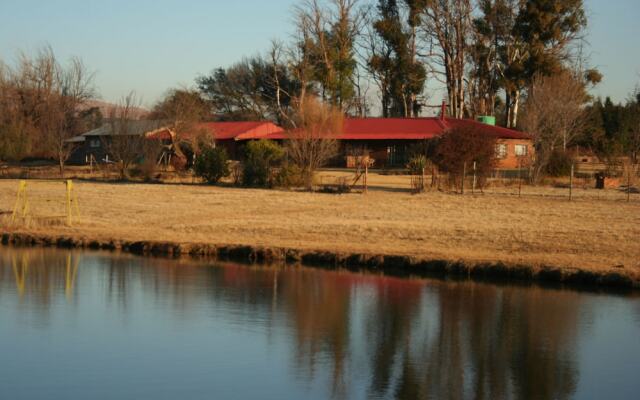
(72, 203)
(22, 202)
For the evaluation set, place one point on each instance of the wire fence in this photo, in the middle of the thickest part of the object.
(624, 184)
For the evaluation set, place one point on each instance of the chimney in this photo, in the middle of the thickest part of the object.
(443, 111)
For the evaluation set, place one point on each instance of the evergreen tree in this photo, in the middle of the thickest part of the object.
(250, 90)
(518, 40)
(400, 76)
(328, 32)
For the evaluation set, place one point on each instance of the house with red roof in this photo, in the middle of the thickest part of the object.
(388, 141)
(230, 135)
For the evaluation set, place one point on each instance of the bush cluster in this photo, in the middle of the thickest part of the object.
(261, 157)
(461, 147)
(559, 164)
(212, 164)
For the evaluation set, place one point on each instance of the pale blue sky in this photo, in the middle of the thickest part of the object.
(151, 45)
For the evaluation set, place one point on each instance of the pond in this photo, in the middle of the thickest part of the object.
(85, 325)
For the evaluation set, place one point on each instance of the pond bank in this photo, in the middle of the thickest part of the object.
(613, 278)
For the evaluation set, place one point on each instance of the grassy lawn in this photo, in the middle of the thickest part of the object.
(597, 230)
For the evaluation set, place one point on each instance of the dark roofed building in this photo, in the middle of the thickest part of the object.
(95, 143)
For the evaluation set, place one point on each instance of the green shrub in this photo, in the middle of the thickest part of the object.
(260, 159)
(212, 164)
(289, 175)
(559, 164)
(417, 164)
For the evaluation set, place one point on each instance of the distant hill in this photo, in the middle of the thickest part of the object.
(106, 107)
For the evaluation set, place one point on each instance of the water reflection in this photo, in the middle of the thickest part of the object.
(40, 275)
(346, 335)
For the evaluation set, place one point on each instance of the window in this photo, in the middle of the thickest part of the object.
(522, 150)
(95, 143)
(501, 151)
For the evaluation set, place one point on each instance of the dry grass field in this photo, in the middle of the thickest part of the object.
(598, 230)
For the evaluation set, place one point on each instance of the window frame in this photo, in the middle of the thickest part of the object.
(502, 151)
(521, 150)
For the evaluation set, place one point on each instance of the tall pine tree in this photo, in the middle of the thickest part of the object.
(393, 61)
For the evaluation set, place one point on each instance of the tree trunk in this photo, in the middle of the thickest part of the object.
(513, 105)
(516, 108)
(507, 103)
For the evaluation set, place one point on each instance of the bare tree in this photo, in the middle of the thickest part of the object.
(17, 133)
(313, 143)
(41, 100)
(448, 25)
(554, 114)
(127, 142)
(75, 88)
(180, 111)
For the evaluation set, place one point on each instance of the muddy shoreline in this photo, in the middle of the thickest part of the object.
(618, 279)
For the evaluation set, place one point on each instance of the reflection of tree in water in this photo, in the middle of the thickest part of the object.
(182, 284)
(408, 338)
(389, 333)
(319, 304)
(448, 340)
(495, 343)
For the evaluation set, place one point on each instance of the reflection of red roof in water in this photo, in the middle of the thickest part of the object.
(395, 288)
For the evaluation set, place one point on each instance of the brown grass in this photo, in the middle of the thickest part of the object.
(597, 231)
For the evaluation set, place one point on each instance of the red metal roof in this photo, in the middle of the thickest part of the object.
(240, 130)
(406, 129)
(497, 131)
(391, 128)
(357, 129)
(226, 130)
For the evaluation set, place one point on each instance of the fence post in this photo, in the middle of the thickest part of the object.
(366, 176)
(69, 190)
(434, 178)
(22, 203)
(473, 188)
(629, 184)
(464, 175)
(519, 177)
(72, 202)
(571, 183)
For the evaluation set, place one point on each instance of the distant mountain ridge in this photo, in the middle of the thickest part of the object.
(106, 107)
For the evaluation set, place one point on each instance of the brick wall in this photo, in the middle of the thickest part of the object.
(507, 157)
